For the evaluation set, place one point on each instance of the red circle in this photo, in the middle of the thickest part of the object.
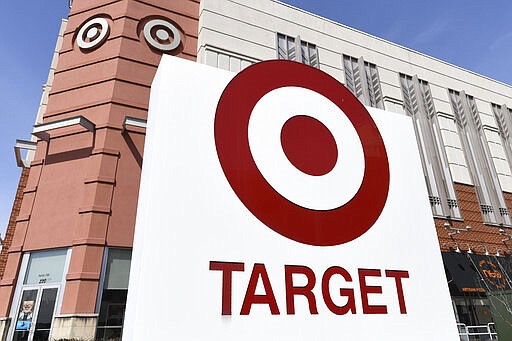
(309, 145)
(313, 227)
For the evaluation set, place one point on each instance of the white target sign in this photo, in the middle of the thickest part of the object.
(275, 206)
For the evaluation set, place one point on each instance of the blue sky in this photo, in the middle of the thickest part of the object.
(471, 34)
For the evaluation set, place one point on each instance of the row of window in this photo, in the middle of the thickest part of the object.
(291, 48)
(419, 105)
(40, 292)
(362, 79)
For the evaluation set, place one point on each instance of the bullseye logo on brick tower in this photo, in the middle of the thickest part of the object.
(309, 145)
(275, 206)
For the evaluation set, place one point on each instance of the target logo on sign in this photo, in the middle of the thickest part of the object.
(301, 153)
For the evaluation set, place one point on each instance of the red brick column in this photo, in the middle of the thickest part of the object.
(83, 186)
(9, 234)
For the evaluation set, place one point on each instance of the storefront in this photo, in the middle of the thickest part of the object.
(68, 255)
(38, 294)
(480, 287)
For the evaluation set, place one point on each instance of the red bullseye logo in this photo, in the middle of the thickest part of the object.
(310, 147)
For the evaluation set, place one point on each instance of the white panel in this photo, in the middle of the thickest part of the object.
(459, 156)
(334, 72)
(211, 58)
(439, 93)
(492, 136)
(393, 91)
(223, 62)
(238, 46)
(484, 107)
(245, 64)
(453, 155)
(191, 216)
(460, 174)
(451, 139)
(234, 64)
(488, 120)
(505, 182)
(447, 123)
(388, 76)
(502, 166)
(242, 31)
(328, 57)
(442, 106)
(394, 107)
(497, 150)
(456, 156)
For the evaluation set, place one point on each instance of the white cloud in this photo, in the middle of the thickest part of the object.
(501, 41)
(437, 28)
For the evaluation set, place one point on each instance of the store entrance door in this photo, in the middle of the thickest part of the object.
(35, 313)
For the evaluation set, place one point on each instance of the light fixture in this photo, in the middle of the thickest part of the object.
(469, 249)
(457, 249)
(42, 130)
(497, 252)
(507, 235)
(135, 122)
(456, 230)
(26, 145)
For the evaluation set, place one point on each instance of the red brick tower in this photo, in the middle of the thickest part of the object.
(82, 186)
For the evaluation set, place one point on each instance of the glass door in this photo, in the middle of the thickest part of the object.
(35, 313)
(25, 314)
(45, 312)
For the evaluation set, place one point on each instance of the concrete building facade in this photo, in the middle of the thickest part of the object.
(67, 251)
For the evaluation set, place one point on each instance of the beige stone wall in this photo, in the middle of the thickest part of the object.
(74, 327)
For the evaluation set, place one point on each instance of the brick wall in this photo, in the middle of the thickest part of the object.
(481, 234)
(12, 220)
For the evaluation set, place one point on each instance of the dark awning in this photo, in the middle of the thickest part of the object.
(478, 273)
(462, 272)
(491, 271)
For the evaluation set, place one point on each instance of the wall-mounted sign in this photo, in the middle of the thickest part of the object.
(490, 272)
(275, 206)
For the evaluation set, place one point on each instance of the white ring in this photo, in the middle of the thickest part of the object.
(91, 25)
(92, 32)
(325, 192)
(153, 42)
(162, 34)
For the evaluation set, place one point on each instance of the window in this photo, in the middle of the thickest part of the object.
(295, 49)
(503, 117)
(478, 156)
(45, 267)
(362, 79)
(420, 106)
(113, 294)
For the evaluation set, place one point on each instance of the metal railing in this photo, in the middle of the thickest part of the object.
(477, 333)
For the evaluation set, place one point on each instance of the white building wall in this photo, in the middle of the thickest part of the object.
(235, 33)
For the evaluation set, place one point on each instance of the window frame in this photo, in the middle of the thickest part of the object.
(479, 160)
(298, 56)
(439, 180)
(101, 286)
(368, 81)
